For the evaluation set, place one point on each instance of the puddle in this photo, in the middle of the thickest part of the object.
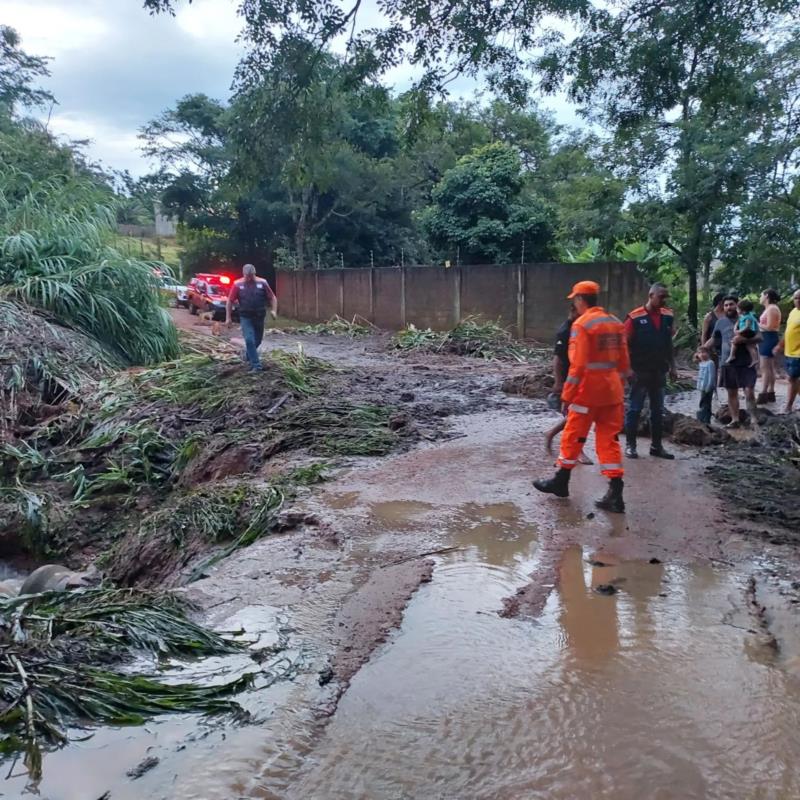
(642, 694)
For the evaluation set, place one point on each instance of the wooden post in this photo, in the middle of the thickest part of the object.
(316, 296)
(402, 297)
(341, 293)
(372, 296)
(457, 296)
(521, 301)
(296, 283)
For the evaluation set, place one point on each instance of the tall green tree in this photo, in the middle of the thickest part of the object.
(481, 214)
(688, 91)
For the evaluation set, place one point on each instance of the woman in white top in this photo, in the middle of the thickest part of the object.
(770, 324)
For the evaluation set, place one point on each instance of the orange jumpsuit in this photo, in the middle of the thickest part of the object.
(593, 390)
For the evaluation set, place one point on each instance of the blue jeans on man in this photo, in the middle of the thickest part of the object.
(652, 387)
(252, 333)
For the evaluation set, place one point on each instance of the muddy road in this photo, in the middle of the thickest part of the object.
(444, 636)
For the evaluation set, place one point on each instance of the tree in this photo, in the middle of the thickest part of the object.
(442, 39)
(688, 90)
(479, 209)
(19, 73)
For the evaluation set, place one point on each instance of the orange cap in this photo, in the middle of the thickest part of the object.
(584, 287)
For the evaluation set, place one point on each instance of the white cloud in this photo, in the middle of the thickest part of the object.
(115, 146)
(210, 20)
(50, 28)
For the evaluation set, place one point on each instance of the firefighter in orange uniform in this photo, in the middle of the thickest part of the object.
(593, 392)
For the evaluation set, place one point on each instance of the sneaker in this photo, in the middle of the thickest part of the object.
(630, 451)
(770, 397)
(762, 399)
(733, 424)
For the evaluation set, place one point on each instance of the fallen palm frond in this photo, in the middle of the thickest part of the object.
(299, 371)
(43, 366)
(338, 326)
(471, 337)
(49, 641)
(335, 429)
(413, 338)
(93, 624)
(217, 514)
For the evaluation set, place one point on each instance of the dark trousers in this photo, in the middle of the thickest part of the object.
(704, 412)
(252, 333)
(641, 387)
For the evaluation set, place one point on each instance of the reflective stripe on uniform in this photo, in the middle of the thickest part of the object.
(579, 409)
(610, 466)
(567, 461)
(601, 365)
(573, 379)
(596, 321)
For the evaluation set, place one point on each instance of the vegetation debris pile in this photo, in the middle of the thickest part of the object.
(51, 644)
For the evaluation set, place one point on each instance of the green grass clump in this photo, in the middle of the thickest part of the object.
(471, 337)
(338, 326)
(57, 255)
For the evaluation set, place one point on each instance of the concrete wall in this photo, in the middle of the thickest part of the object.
(529, 299)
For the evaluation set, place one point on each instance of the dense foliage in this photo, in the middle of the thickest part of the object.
(57, 234)
(692, 154)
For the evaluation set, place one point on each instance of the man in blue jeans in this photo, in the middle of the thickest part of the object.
(253, 294)
(649, 330)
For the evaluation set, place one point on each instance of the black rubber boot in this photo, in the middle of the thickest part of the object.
(612, 500)
(657, 451)
(557, 485)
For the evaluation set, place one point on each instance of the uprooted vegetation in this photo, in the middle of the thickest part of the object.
(64, 662)
(471, 337)
(338, 326)
(152, 468)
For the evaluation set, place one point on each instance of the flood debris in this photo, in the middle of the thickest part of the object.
(143, 767)
(153, 467)
(338, 326)
(764, 480)
(471, 337)
(63, 658)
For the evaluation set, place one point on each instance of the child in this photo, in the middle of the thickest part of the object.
(747, 326)
(706, 383)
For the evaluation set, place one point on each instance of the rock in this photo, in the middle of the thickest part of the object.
(723, 415)
(398, 421)
(55, 577)
(654, 561)
(8, 589)
(407, 397)
(534, 385)
(143, 767)
(688, 430)
(605, 588)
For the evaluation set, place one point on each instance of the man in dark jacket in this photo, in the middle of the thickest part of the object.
(649, 330)
(254, 295)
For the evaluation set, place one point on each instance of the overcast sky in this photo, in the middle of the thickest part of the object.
(114, 67)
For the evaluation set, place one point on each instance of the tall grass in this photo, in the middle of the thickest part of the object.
(57, 255)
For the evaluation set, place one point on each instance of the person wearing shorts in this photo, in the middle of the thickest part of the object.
(790, 345)
(770, 324)
(735, 374)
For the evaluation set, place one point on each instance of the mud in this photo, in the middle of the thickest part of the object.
(442, 628)
(371, 612)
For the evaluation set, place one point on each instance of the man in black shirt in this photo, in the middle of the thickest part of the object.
(253, 294)
(560, 372)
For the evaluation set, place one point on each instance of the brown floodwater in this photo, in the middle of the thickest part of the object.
(652, 692)
(662, 690)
